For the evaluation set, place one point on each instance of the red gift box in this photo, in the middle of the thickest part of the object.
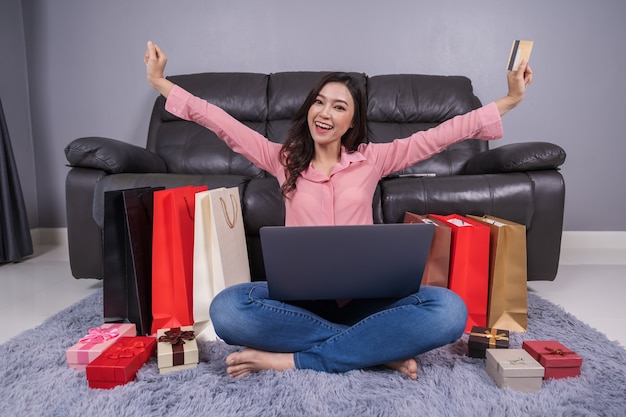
(118, 364)
(559, 361)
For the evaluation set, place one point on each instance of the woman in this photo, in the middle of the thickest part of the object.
(328, 177)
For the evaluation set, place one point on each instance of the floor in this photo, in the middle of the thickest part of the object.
(590, 285)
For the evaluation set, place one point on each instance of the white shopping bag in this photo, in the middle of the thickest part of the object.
(220, 254)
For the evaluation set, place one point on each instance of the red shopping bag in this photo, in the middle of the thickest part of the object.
(469, 266)
(172, 257)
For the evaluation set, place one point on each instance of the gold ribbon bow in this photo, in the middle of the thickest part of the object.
(492, 335)
(176, 336)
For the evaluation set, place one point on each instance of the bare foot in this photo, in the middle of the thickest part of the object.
(408, 367)
(251, 360)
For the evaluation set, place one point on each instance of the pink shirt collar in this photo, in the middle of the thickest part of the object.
(347, 158)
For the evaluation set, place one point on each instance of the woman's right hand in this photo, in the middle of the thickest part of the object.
(517, 80)
(155, 61)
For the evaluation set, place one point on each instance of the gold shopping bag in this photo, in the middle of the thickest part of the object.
(508, 294)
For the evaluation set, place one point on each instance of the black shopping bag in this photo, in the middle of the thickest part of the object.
(127, 243)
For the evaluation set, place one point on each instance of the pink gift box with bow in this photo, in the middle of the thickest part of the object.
(96, 341)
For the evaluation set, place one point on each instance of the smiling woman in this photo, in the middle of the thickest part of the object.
(329, 118)
(324, 124)
(323, 160)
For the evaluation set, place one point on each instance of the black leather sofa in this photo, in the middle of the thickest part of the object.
(520, 182)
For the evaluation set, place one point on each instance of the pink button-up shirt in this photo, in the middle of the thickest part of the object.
(345, 196)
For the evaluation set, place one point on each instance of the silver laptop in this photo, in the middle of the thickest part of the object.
(337, 262)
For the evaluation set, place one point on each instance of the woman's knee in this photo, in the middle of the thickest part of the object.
(232, 311)
(226, 309)
(450, 309)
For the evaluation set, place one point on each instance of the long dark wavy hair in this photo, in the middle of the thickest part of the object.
(299, 149)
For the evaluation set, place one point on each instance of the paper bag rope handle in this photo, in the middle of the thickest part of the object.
(229, 222)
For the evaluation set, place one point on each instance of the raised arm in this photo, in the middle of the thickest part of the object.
(517, 81)
(155, 61)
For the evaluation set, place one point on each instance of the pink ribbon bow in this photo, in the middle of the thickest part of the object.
(98, 335)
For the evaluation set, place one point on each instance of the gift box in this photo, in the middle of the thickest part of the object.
(97, 340)
(483, 338)
(515, 369)
(559, 361)
(120, 362)
(176, 349)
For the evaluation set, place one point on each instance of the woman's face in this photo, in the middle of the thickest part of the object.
(331, 114)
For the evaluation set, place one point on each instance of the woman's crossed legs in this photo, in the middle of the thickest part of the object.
(324, 337)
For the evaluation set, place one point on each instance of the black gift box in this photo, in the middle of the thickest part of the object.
(483, 338)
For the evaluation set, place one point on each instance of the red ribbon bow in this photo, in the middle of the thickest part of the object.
(120, 351)
(176, 336)
(558, 351)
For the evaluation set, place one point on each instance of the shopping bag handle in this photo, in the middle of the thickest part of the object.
(229, 222)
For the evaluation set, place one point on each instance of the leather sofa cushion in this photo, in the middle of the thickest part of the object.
(188, 148)
(112, 156)
(242, 95)
(510, 196)
(400, 105)
(415, 98)
(517, 157)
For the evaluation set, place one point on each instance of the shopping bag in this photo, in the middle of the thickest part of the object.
(220, 257)
(127, 256)
(438, 262)
(469, 266)
(508, 302)
(172, 257)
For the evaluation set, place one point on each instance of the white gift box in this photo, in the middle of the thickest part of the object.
(515, 369)
(183, 354)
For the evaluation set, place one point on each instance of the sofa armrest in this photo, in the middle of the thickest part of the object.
(516, 157)
(112, 156)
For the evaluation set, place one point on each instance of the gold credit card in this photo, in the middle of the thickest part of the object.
(519, 51)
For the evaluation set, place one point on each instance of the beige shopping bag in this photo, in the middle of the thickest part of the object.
(438, 262)
(220, 252)
(508, 295)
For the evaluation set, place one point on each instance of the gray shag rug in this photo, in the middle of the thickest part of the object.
(36, 381)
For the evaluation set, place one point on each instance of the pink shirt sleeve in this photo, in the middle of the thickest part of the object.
(240, 138)
(483, 123)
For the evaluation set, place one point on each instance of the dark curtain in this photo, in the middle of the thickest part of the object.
(15, 240)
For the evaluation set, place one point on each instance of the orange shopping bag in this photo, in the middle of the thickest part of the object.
(469, 266)
(172, 257)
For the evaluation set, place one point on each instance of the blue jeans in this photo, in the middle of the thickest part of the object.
(324, 337)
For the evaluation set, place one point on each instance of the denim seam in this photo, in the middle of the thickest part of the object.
(311, 317)
(333, 339)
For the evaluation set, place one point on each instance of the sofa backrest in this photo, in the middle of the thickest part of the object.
(398, 105)
(188, 148)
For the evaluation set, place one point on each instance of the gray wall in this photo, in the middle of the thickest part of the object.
(86, 75)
